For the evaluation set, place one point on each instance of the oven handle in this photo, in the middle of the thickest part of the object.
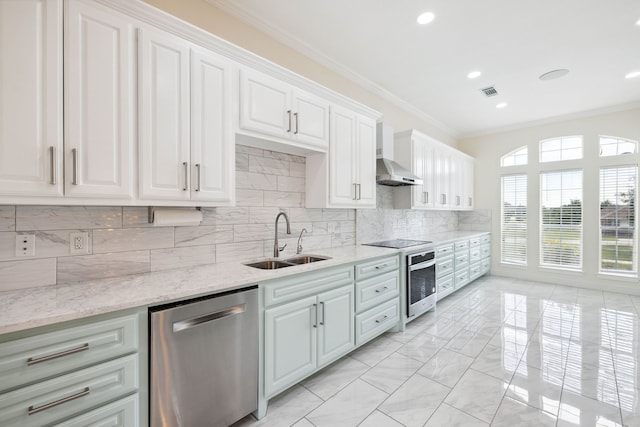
(422, 265)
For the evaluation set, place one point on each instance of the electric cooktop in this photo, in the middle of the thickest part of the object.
(398, 243)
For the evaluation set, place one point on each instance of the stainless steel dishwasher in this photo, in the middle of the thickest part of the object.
(204, 360)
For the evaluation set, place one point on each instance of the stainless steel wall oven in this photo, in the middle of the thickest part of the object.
(421, 282)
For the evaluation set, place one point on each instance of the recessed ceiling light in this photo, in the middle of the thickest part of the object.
(554, 74)
(474, 74)
(425, 18)
(501, 105)
(632, 75)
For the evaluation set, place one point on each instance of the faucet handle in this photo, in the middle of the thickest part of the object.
(281, 248)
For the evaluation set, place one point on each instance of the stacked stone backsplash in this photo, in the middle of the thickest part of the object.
(121, 241)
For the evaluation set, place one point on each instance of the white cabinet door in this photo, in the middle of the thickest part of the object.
(442, 178)
(99, 102)
(366, 163)
(335, 324)
(455, 181)
(342, 158)
(418, 196)
(468, 192)
(265, 104)
(164, 116)
(310, 119)
(212, 141)
(31, 98)
(290, 341)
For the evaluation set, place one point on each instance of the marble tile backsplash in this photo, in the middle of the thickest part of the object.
(122, 242)
(387, 223)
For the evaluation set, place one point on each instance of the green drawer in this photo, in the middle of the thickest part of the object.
(376, 290)
(374, 268)
(122, 413)
(300, 286)
(69, 394)
(26, 360)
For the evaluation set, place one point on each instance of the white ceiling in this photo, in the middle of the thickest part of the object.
(379, 44)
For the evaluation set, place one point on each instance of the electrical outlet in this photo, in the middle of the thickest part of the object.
(25, 245)
(79, 243)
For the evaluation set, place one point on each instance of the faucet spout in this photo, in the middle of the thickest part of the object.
(276, 248)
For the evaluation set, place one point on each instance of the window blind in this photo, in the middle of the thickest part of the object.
(513, 227)
(618, 241)
(561, 219)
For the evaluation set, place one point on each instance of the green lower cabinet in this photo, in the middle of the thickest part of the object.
(306, 334)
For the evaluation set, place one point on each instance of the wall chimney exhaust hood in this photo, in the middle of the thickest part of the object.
(389, 172)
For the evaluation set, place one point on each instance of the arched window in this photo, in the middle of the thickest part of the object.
(563, 148)
(614, 146)
(519, 156)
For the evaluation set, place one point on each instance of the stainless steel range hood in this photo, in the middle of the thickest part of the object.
(389, 172)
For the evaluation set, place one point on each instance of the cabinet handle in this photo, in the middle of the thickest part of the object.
(378, 267)
(426, 197)
(322, 305)
(32, 361)
(34, 410)
(289, 113)
(185, 165)
(381, 289)
(443, 199)
(74, 156)
(297, 122)
(355, 191)
(470, 201)
(315, 310)
(52, 158)
(198, 176)
(359, 192)
(382, 320)
(457, 200)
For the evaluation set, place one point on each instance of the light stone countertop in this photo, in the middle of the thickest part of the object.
(29, 308)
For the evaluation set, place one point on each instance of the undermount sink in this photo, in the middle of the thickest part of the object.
(306, 259)
(273, 264)
(270, 264)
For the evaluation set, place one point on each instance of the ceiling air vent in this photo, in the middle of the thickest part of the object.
(489, 91)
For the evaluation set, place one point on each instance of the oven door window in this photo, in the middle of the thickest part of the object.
(422, 283)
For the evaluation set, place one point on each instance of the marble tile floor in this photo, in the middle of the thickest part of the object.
(499, 352)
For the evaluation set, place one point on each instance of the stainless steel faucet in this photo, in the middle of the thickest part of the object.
(299, 249)
(276, 248)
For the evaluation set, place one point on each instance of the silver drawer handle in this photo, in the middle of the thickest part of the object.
(185, 165)
(289, 114)
(382, 290)
(378, 267)
(198, 176)
(190, 323)
(54, 173)
(34, 410)
(382, 320)
(74, 156)
(32, 361)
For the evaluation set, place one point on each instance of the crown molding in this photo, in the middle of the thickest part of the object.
(307, 50)
(551, 120)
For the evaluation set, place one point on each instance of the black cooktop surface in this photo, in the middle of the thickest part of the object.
(398, 243)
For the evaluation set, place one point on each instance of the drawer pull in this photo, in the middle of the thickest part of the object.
(382, 289)
(378, 267)
(32, 361)
(382, 320)
(34, 410)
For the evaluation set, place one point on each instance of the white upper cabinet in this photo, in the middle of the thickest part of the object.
(186, 148)
(446, 172)
(99, 102)
(272, 107)
(212, 144)
(164, 116)
(31, 98)
(349, 178)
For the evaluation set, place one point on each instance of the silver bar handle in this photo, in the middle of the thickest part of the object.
(470, 201)
(355, 191)
(426, 197)
(384, 288)
(52, 158)
(359, 192)
(195, 321)
(385, 317)
(32, 361)
(289, 113)
(295, 115)
(322, 306)
(378, 267)
(457, 200)
(34, 410)
(74, 155)
(185, 165)
(198, 176)
(315, 310)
